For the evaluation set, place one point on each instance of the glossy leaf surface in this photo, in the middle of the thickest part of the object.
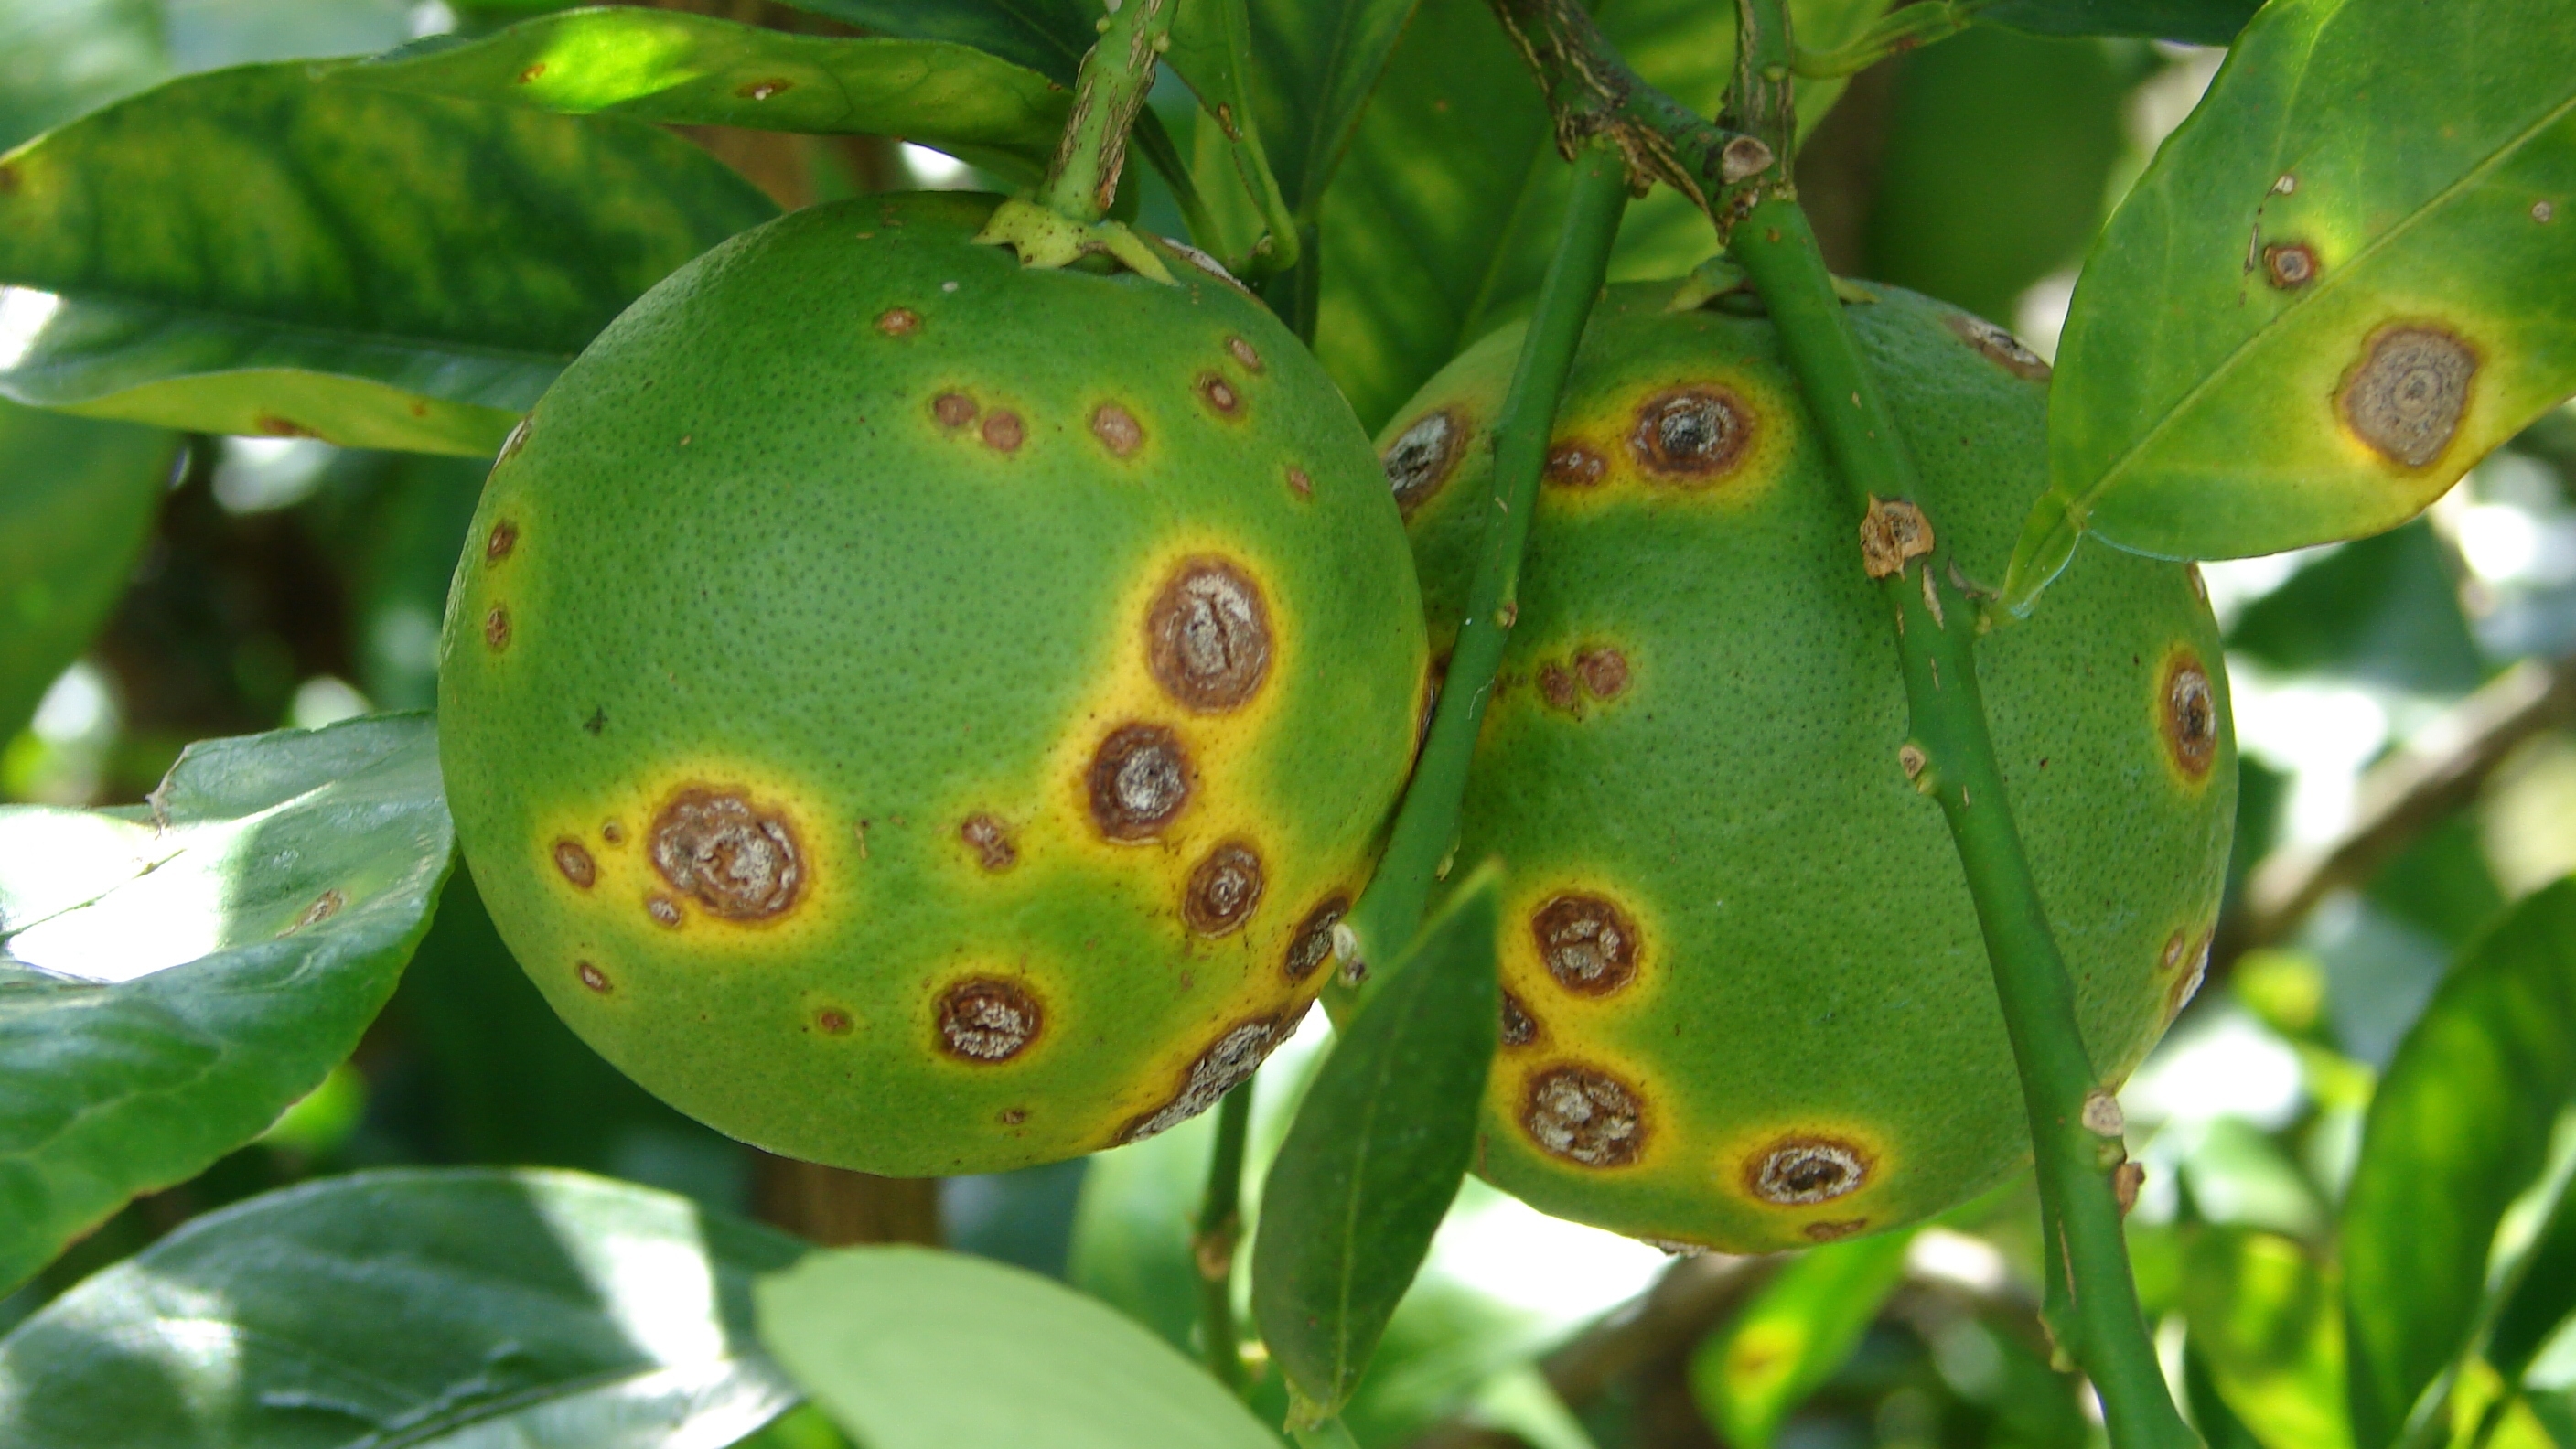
(171, 982)
(2459, 1126)
(433, 1310)
(2263, 1318)
(683, 69)
(1377, 1152)
(251, 251)
(2544, 1297)
(76, 499)
(1793, 1336)
(907, 1348)
(2279, 338)
(2202, 22)
(1047, 36)
(1447, 203)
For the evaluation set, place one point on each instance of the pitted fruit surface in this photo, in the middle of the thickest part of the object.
(922, 714)
(1745, 1001)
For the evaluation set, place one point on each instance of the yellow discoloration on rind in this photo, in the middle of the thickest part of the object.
(1602, 424)
(1663, 1118)
(1568, 1014)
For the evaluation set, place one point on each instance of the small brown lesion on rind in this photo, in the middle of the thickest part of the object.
(2187, 715)
(2405, 396)
(1423, 456)
(1224, 889)
(1140, 780)
(1003, 432)
(833, 1021)
(1586, 942)
(496, 629)
(1312, 943)
(1518, 1028)
(738, 860)
(592, 978)
(1804, 1171)
(1556, 685)
(1691, 435)
(990, 839)
(1299, 482)
(1583, 1115)
(1207, 636)
(1603, 670)
(898, 321)
(984, 1020)
(1117, 430)
(664, 911)
(1219, 395)
(2289, 266)
(1575, 464)
(1999, 347)
(1834, 1232)
(1236, 1054)
(1245, 353)
(2187, 963)
(953, 409)
(503, 538)
(575, 863)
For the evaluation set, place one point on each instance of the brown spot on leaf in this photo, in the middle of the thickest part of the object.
(761, 90)
(575, 863)
(1207, 636)
(985, 1021)
(1003, 432)
(898, 321)
(953, 409)
(1312, 945)
(503, 538)
(990, 839)
(1423, 456)
(496, 629)
(1223, 890)
(2406, 396)
(1573, 465)
(1519, 1028)
(1140, 779)
(2188, 717)
(324, 907)
(1117, 429)
(739, 861)
(2289, 266)
(2000, 347)
(1690, 434)
(1219, 395)
(1583, 1115)
(1235, 1055)
(592, 977)
(271, 425)
(532, 72)
(1588, 944)
(1801, 1171)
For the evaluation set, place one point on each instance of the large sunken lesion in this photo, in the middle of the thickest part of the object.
(2406, 395)
(738, 860)
(986, 1020)
(1207, 636)
(1588, 944)
(1235, 1055)
(1584, 1115)
(1805, 1171)
(1691, 435)
(1139, 781)
(1423, 456)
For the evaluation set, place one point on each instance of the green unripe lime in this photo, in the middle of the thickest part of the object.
(1747, 1004)
(921, 714)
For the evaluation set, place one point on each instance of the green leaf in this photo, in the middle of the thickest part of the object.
(1445, 210)
(2459, 1126)
(1212, 50)
(912, 1349)
(1046, 36)
(683, 69)
(2202, 22)
(2262, 1315)
(1791, 1338)
(174, 976)
(77, 499)
(1377, 1152)
(249, 251)
(2543, 1296)
(433, 1310)
(1314, 65)
(2279, 338)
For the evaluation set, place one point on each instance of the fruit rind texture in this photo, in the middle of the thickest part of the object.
(1747, 1004)
(904, 709)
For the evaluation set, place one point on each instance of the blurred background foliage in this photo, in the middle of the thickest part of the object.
(261, 582)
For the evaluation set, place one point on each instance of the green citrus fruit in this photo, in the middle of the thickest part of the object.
(1746, 1003)
(921, 714)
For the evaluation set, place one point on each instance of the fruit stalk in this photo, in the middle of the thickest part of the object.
(1082, 181)
(2075, 1128)
(1427, 822)
(1213, 1238)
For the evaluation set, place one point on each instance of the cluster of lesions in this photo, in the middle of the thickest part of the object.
(1583, 679)
(1685, 437)
(716, 852)
(1571, 1109)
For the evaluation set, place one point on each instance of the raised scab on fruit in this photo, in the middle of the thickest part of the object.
(496, 629)
(739, 861)
(1588, 944)
(575, 863)
(2189, 717)
(1691, 435)
(1234, 1056)
(1207, 636)
(1245, 353)
(1519, 1028)
(503, 538)
(2000, 347)
(1312, 944)
(592, 977)
(1423, 456)
(1219, 395)
(1139, 779)
(990, 839)
(898, 321)
(1003, 431)
(984, 1020)
(953, 409)
(1803, 1171)
(1117, 429)
(1583, 1115)
(1224, 890)
(1573, 465)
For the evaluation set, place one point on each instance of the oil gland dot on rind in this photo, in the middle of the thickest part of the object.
(1223, 890)
(2187, 716)
(987, 1021)
(1207, 636)
(1423, 456)
(575, 864)
(1691, 435)
(737, 860)
(1139, 781)
(1583, 1115)
(1803, 1171)
(1587, 943)
(1312, 945)
(2000, 347)
(1117, 429)
(1234, 1056)
(2406, 395)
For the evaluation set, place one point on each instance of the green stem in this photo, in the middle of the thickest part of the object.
(1392, 907)
(1082, 181)
(1213, 1239)
(1151, 138)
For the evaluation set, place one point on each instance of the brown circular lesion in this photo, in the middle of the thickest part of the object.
(1223, 890)
(574, 863)
(898, 321)
(1803, 1171)
(1219, 395)
(833, 1021)
(2187, 715)
(1575, 465)
(1311, 945)
(2407, 394)
(990, 839)
(1245, 353)
(1834, 1232)
(1003, 432)
(1691, 435)
(1604, 671)
(500, 541)
(1207, 636)
(593, 978)
(496, 629)
(738, 860)
(1586, 942)
(2289, 266)
(953, 409)
(1139, 781)
(985, 1020)
(1423, 456)
(1518, 1028)
(1117, 429)
(1584, 1115)
(1999, 347)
